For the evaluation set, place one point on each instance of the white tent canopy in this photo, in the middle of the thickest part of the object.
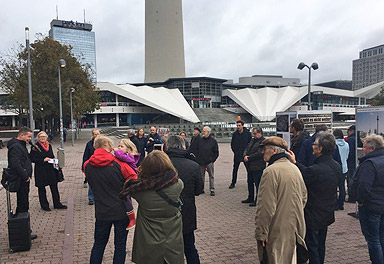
(170, 101)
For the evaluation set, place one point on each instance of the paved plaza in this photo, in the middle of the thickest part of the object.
(225, 226)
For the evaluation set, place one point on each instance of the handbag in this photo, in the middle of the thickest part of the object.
(10, 181)
(59, 174)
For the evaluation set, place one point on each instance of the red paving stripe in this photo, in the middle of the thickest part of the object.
(68, 240)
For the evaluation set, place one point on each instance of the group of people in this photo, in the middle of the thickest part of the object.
(163, 183)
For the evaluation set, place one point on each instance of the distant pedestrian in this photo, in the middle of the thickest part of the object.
(206, 154)
(189, 173)
(65, 132)
(321, 179)
(240, 140)
(106, 175)
(142, 142)
(280, 225)
(184, 136)
(88, 152)
(131, 135)
(253, 157)
(351, 161)
(45, 174)
(158, 235)
(344, 152)
(152, 139)
(299, 135)
(367, 188)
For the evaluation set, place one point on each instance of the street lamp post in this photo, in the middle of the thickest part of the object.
(31, 121)
(61, 65)
(314, 66)
(70, 98)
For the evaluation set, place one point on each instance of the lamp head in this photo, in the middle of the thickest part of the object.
(301, 66)
(315, 66)
(73, 89)
(62, 63)
(27, 33)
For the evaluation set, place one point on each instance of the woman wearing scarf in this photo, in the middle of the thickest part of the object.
(158, 235)
(45, 174)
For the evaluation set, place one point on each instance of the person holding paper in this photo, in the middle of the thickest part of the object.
(45, 175)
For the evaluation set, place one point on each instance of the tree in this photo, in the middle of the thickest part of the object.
(45, 56)
(378, 99)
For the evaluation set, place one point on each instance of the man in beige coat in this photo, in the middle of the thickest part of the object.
(280, 224)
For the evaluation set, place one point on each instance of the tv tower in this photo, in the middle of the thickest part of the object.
(164, 40)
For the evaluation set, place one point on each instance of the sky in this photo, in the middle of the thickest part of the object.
(222, 38)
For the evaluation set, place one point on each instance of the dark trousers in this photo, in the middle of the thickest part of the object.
(372, 226)
(101, 236)
(254, 181)
(341, 199)
(23, 198)
(351, 171)
(190, 251)
(315, 240)
(236, 165)
(43, 196)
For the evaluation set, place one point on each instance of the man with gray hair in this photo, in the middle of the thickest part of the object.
(321, 179)
(206, 153)
(189, 173)
(131, 135)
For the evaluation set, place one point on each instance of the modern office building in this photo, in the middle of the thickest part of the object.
(82, 39)
(368, 69)
(164, 41)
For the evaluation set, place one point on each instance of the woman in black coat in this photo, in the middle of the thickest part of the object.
(45, 174)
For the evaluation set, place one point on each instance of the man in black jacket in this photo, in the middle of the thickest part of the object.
(88, 152)
(131, 135)
(206, 154)
(351, 161)
(240, 140)
(321, 179)
(189, 173)
(253, 157)
(299, 135)
(20, 165)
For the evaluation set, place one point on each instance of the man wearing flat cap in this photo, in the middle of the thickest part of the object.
(280, 225)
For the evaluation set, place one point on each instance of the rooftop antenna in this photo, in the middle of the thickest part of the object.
(57, 13)
(84, 16)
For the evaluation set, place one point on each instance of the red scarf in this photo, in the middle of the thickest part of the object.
(45, 145)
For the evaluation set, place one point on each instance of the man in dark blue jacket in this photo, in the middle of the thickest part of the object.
(367, 188)
(306, 156)
(153, 138)
(88, 152)
(240, 140)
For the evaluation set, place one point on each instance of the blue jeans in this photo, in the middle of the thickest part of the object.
(101, 236)
(315, 240)
(190, 250)
(372, 226)
(91, 197)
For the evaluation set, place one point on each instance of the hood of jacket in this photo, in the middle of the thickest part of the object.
(177, 153)
(340, 142)
(101, 158)
(15, 142)
(375, 153)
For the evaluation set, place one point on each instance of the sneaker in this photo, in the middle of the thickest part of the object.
(33, 236)
(247, 201)
(85, 185)
(253, 204)
(232, 186)
(212, 193)
(61, 206)
(47, 209)
(91, 202)
(132, 220)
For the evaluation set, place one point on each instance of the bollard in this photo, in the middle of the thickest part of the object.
(61, 157)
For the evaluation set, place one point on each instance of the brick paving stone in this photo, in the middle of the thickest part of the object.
(225, 226)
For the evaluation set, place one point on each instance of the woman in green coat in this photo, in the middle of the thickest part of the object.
(158, 235)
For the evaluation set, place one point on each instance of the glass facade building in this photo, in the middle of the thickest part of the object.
(81, 38)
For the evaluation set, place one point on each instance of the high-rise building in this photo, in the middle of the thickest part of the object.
(369, 68)
(80, 37)
(164, 41)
